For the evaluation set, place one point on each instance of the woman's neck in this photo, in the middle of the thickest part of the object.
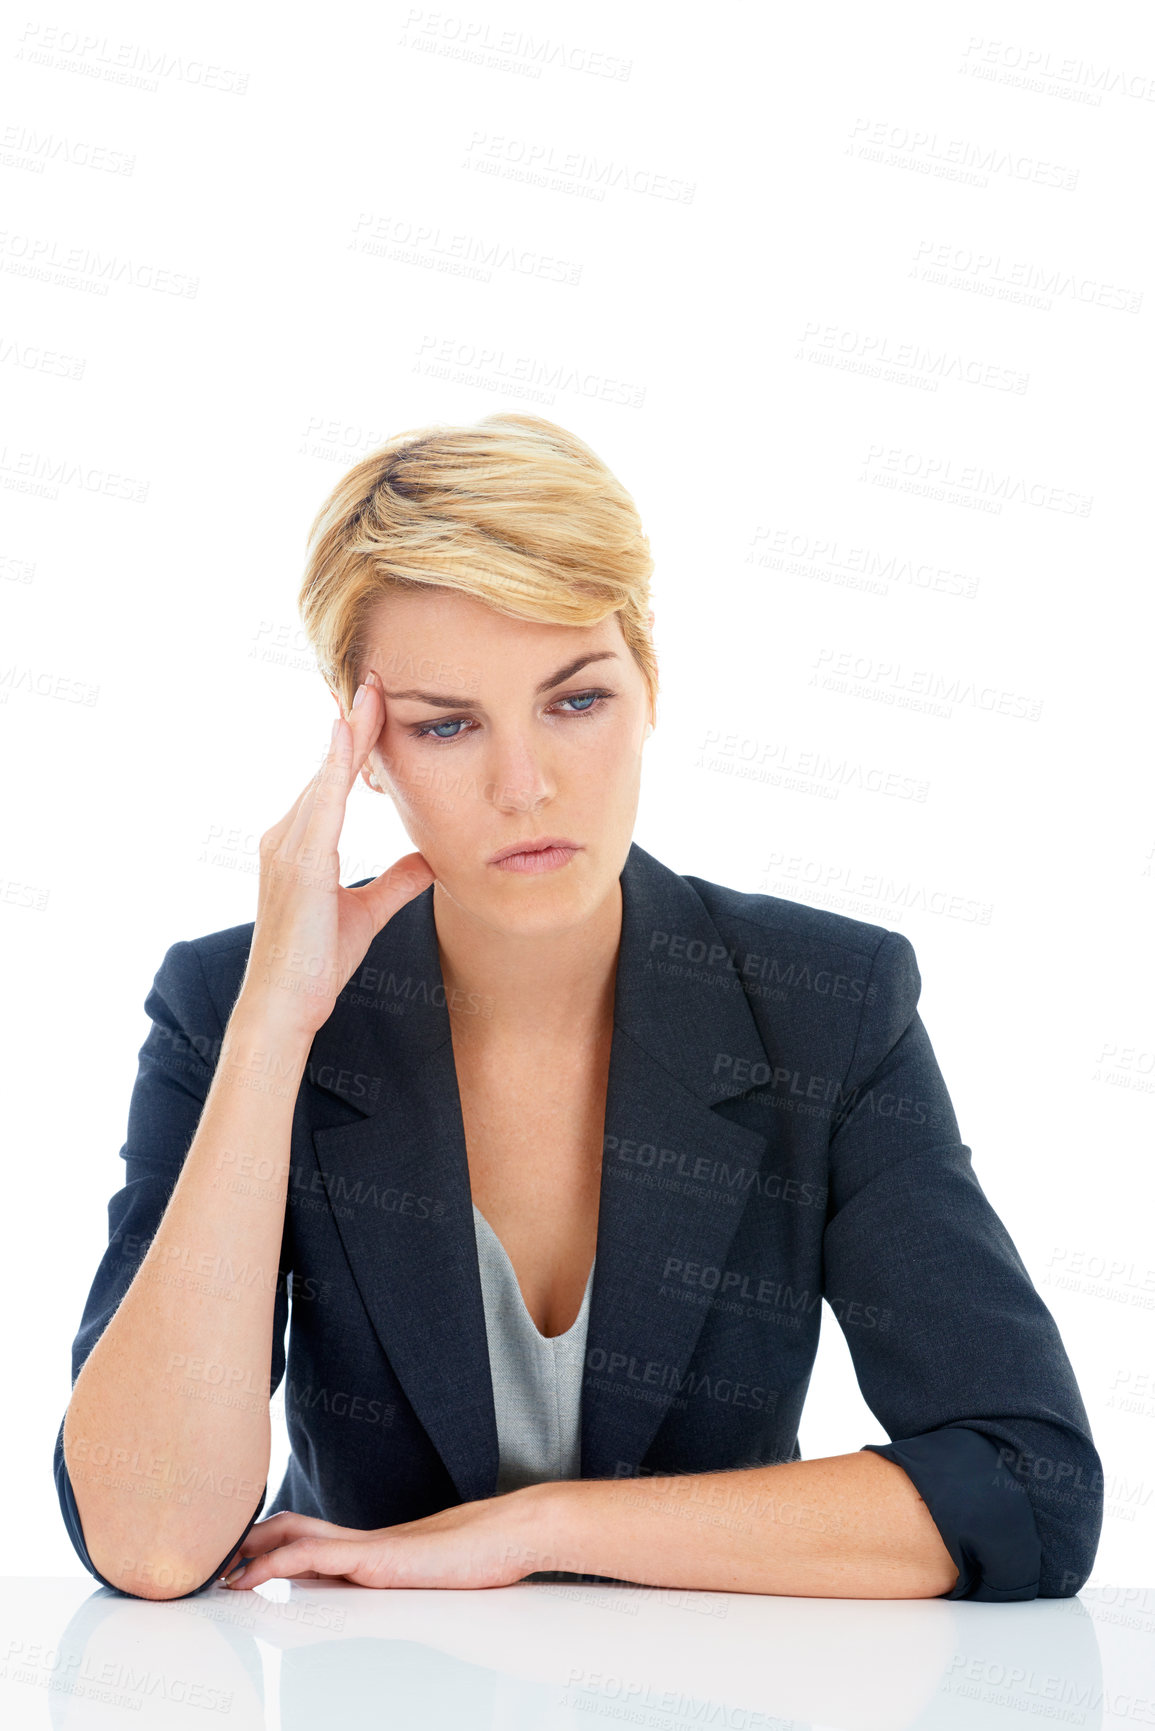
(536, 992)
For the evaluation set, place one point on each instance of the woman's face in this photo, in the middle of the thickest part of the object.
(494, 735)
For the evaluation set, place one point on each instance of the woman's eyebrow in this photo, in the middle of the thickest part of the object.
(439, 700)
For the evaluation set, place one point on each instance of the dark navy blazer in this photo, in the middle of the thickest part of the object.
(777, 1132)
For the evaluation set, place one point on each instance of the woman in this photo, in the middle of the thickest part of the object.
(555, 1150)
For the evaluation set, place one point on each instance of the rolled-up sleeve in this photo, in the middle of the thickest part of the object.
(955, 1352)
(174, 1071)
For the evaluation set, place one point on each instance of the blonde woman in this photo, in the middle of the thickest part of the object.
(545, 1155)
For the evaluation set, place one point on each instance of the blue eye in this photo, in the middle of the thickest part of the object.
(591, 699)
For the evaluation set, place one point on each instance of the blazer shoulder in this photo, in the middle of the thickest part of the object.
(878, 965)
(214, 961)
(790, 922)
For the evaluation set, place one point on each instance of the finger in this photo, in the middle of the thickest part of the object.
(282, 1528)
(398, 884)
(275, 1534)
(367, 721)
(277, 831)
(317, 1555)
(315, 830)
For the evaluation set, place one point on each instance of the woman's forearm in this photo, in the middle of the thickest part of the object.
(167, 1435)
(843, 1526)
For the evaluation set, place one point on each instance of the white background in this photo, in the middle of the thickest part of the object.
(856, 302)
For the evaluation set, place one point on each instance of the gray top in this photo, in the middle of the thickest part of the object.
(536, 1379)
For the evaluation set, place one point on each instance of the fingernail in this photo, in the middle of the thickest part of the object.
(234, 1573)
(359, 697)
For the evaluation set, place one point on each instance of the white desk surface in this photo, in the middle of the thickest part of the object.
(307, 1654)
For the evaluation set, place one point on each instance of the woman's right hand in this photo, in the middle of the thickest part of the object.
(311, 932)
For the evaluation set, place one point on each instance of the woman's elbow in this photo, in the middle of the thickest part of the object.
(157, 1576)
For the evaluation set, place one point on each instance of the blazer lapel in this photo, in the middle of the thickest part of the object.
(675, 1172)
(398, 1182)
(673, 1175)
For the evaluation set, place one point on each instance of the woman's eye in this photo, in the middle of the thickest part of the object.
(422, 732)
(589, 701)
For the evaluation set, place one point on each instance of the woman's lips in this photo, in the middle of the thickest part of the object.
(545, 859)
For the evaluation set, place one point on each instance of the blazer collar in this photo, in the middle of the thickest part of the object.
(397, 1175)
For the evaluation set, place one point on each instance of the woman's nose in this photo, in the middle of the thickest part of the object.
(519, 777)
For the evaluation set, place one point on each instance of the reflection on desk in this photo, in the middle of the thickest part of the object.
(306, 1654)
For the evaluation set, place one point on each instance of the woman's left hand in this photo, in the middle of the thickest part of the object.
(489, 1543)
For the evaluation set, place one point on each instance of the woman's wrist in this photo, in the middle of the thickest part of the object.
(258, 1023)
(547, 1530)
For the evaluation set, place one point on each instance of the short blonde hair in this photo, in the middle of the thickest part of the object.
(515, 511)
